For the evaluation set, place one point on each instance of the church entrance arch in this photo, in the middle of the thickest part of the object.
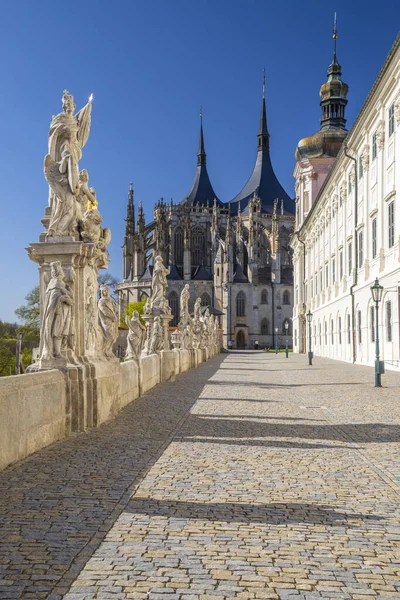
(240, 339)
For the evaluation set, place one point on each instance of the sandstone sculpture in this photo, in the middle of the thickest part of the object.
(67, 136)
(108, 320)
(57, 315)
(136, 337)
(184, 306)
(157, 338)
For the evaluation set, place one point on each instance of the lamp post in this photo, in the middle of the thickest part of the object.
(276, 340)
(377, 291)
(310, 354)
(286, 330)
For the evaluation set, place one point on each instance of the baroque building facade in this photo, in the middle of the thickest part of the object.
(234, 255)
(348, 223)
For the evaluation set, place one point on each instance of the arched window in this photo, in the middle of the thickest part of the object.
(143, 296)
(178, 246)
(205, 299)
(286, 297)
(173, 301)
(240, 304)
(198, 245)
(264, 327)
(284, 328)
(264, 297)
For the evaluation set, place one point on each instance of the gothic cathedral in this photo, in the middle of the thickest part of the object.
(234, 255)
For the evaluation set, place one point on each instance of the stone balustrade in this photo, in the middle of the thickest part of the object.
(37, 409)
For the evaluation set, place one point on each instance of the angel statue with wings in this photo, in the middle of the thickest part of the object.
(67, 136)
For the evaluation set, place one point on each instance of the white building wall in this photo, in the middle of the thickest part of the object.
(329, 229)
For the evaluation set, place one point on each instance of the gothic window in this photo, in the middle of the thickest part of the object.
(173, 301)
(205, 299)
(240, 304)
(264, 327)
(178, 245)
(198, 244)
(264, 297)
(286, 297)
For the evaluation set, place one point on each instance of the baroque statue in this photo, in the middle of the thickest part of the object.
(108, 320)
(184, 305)
(156, 341)
(67, 136)
(57, 315)
(136, 336)
(159, 285)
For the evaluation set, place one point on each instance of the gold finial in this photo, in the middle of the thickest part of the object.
(264, 84)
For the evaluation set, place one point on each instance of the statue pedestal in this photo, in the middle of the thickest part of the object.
(82, 361)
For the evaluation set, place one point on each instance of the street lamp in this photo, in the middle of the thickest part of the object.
(310, 354)
(377, 291)
(286, 329)
(276, 340)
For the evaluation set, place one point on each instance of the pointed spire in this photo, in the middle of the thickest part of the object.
(335, 36)
(263, 135)
(333, 93)
(201, 154)
(130, 213)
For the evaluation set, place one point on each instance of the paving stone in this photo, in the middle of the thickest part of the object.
(253, 476)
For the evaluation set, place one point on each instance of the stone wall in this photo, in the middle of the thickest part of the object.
(40, 408)
(32, 413)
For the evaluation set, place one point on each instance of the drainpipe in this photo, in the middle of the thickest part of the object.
(304, 278)
(273, 312)
(353, 308)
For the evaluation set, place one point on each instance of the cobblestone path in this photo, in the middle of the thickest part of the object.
(254, 476)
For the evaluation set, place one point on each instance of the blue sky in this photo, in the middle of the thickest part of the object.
(150, 65)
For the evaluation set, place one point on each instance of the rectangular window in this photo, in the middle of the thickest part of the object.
(320, 280)
(332, 342)
(360, 250)
(374, 146)
(326, 275)
(391, 224)
(349, 185)
(391, 120)
(340, 330)
(389, 321)
(360, 168)
(359, 326)
(374, 243)
(333, 270)
(348, 329)
(350, 257)
(372, 323)
(341, 265)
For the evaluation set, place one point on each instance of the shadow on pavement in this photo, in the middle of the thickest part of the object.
(57, 505)
(275, 513)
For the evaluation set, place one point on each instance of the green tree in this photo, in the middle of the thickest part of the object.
(29, 313)
(7, 362)
(131, 307)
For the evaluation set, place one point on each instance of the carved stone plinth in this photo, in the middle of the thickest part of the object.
(157, 335)
(82, 360)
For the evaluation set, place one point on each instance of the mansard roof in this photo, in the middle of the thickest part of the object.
(263, 181)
